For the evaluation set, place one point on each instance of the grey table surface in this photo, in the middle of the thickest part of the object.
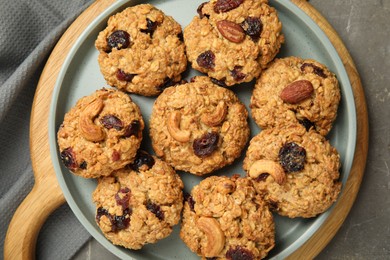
(364, 27)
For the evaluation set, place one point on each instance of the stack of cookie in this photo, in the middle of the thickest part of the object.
(201, 126)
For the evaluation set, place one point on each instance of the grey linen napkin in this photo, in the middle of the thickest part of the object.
(29, 29)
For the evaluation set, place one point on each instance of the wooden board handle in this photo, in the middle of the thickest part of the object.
(28, 219)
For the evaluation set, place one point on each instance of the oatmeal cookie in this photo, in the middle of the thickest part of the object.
(232, 41)
(224, 218)
(100, 134)
(141, 50)
(198, 127)
(140, 203)
(297, 172)
(296, 90)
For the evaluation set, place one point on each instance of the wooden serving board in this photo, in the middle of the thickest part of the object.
(46, 194)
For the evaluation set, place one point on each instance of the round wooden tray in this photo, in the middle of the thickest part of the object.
(46, 194)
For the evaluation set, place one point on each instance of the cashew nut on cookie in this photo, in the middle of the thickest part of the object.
(173, 125)
(217, 117)
(214, 234)
(267, 166)
(88, 129)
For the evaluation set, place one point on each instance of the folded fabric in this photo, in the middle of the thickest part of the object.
(29, 29)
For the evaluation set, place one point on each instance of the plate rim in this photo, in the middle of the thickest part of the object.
(119, 4)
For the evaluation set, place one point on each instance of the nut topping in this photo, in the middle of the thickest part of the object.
(297, 91)
(215, 237)
(267, 166)
(217, 117)
(222, 6)
(88, 129)
(231, 31)
(174, 130)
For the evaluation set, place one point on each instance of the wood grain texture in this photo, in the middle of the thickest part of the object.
(47, 195)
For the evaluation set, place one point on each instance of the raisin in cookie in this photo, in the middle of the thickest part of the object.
(224, 218)
(139, 204)
(296, 90)
(232, 41)
(100, 134)
(198, 127)
(297, 172)
(141, 50)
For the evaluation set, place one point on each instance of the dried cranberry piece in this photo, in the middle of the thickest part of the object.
(119, 39)
(316, 70)
(122, 197)
(239, 253)
(262, 177)
(220, 83)
(168, 82)
(132, 129)
(142, 158)
(200, 12)
(124, 190)
(127, 211)
(121, 222)
(252, 27)
(237, 74)
(102, 212)
(222, 6)
(111, 121)
(68, 158)
(292, 157)
(307, 123)
(117, 222)
(190, 200)
(206, 144)
(155, 209)
(83, 165)
(123, 76)
(206, 60)
(150, 27)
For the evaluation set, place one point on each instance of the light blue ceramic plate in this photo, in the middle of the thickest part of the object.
(80, 76)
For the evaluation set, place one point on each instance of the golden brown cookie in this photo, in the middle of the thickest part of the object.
(297, 172)
(141, 50)
(139, 204)
(198, 127)
(296, 90)
(224, 218)
(100, 134)
(232, 41)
